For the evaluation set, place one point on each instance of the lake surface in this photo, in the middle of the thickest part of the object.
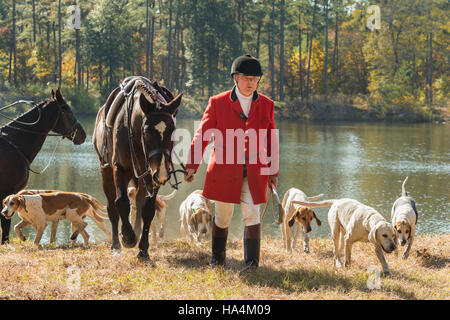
(366, 162)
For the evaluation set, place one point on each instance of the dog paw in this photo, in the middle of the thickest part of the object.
(405, 256)
(306, 250)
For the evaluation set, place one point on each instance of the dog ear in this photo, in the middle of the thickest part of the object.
(21, 200)
(292, 221)
(373, 236)
(319, 223)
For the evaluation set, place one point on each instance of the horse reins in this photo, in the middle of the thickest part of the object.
(38, 106)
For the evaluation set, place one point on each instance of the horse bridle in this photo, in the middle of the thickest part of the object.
(70, 135)
(147, 156)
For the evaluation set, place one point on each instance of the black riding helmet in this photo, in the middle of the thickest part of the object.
(247, 65)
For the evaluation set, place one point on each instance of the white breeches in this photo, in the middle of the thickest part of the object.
(250, 211)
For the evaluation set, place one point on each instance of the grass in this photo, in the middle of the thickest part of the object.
(178, 270)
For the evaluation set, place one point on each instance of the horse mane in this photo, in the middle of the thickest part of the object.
(144, 89)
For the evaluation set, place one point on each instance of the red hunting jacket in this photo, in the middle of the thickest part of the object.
(237, 141)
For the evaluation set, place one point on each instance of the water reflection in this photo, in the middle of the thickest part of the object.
(367, 162)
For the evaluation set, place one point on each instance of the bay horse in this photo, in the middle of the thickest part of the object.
(22, 139)
(133, 141)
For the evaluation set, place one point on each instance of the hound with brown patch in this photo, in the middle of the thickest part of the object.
(196, 217)
(404, 219)
(160, 211)
(295, 213)
(37, 209)
(351, 221)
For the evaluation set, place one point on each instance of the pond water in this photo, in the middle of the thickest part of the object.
(366, 162)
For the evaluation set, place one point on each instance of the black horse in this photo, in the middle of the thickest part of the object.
(22, 139)
(133, 140)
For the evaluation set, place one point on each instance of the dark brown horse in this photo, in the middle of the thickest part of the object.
(134, 144)
(22, 139)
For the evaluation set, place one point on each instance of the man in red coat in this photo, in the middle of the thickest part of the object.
(244, 157)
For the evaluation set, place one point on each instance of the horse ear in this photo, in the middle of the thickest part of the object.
(53, 94)
(173, 105)
(146, 106)
(59, 96)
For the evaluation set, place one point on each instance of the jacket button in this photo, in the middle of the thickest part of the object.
(246, 123)
(245, 149)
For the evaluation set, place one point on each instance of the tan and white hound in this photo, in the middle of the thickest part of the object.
(196, 217)
(295, 213)
(404, 219)
(36, 208)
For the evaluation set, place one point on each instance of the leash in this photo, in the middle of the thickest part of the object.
(278, 220)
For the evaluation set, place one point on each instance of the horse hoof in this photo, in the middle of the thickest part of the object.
(143, 256)
(129, 240)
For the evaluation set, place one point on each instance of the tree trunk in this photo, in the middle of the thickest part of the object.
(55, 75)
(34, 20)
(169, 45)
(300, 73)
(282, 52)
(59, 44)
(326, 53)
(78, 56)
(14, 42)
(430, 70)
(272, 53)
(152, 33)
(308, 89)
(258, 38)
(336, 54)
(147, 40)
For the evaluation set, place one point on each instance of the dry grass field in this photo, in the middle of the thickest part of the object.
(180, 271)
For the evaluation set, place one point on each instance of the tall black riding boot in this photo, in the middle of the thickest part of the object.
(252, 244)
(219, 243)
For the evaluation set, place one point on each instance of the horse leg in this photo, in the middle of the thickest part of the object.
(148, 212)
(140, 200)
(6, 226)
(5, 223)
(121, 179)
(113, 214)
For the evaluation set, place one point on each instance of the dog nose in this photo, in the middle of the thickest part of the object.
(403, 242)
(308, 229)
(203, 230)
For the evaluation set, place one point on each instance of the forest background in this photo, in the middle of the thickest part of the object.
(379, 60)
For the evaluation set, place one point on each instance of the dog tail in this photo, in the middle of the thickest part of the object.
(318, 204)
(94, 202)
(315, 197)
(99, 215)
(404, 193)
(167, 197)
(97, 207)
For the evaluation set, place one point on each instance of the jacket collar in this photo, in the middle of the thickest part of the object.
(233, 95)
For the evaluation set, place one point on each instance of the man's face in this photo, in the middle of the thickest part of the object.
(246, 84)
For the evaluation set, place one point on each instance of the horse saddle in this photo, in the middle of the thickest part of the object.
(117, 97)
